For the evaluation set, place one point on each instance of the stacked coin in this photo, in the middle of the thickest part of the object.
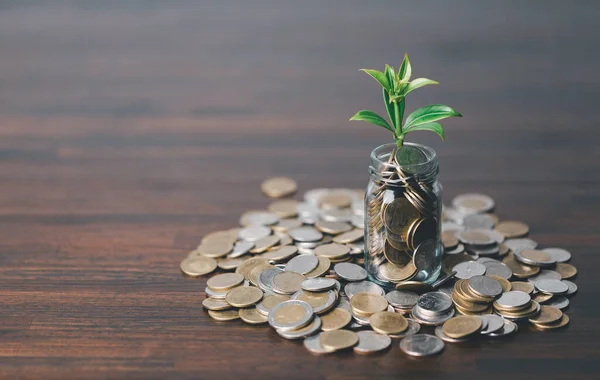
(297, 266)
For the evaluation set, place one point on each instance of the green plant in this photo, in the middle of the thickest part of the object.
(396, 85)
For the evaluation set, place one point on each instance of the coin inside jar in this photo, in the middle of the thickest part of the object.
(398, 214)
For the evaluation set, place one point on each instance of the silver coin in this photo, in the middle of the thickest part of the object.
(555, 287)
(446, 289)
(559, 302)
(460, 248)
(497, 236)
(485, 237)
(318, 284)
(545, 274)
(315, 326)
(265, 279)
(344, 303)
(513, 299)
(440, 334)
(302, 264)
(313, 344)
(331, 300)
(483, 322)
(308, 219)
(431, 320)
(468, 269)
(529, 261)
(491, 250)
(454, 215)
(424, 256)
(358, 221)
(508, 328)
(451, 227)
(370, 341)
(485, 286)
(520, 244)
(413, 328)
(355, 326)
(558, 255)
(350, 272)
(483, 260)
(258, 218)
(497, 268)
(288, 224)
(353, 288)
(306, 318)
(254, 233)
(214, 294)
(493, 323)
(361, 319)
(402, 299)
(240, 248)
(357, 248)
(473, 203)
(521, 317)
(434, 303)
(337, 215)
(572, 287)
(421, 345)
(314, 196)
(479, 221)
(305, 234)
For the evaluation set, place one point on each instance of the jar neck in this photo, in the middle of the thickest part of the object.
(386, 169)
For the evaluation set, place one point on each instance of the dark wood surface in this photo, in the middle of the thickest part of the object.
(128, 129)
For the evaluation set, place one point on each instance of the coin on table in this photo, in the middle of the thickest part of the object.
(554, 287)
(559, 302)
(240, 248)
(556, 325)
(350, 272)
(421, 345)
(338, 339)
(281, 254)
(513, 300)
(291, 315)
(473, 203)
(336, 319)
(493, 324)
(198, 266)
(318, 284)
(449, 240)
(368, 303)
(526, 287)
(269, 301)
(244, 296)
(278, 187)
(572, 287)
(534, 257)
(402, 299)
(349, 237)
(310, 329)
(313, 344)
(263, 244)
(332, 250)
(335, 200)
(333, 228)
(520, 243)
(461, 326)
(545, 274)
(224, 315)
(508, 328)
(436, 302)
(518, 269)
(484, 286)
(474, 221)
(370, 341)
(215, 248)
(215, 304)
(504, 283)
(496, 268)
(321, 269)
(413, 328)
(558, 255)
(386, 322)
(230, 264)
(476, 237)
(258, 218)
(321, 302)
(287, 282)
(284, 208)
(548, 314)
(252, 316)
(354, 288)
(287, 224)
(305, 234)
(302, 264)
(254, 233)
(468, 269)
(225, 281)
(512, 229)
(566, 271)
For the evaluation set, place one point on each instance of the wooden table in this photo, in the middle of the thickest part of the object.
(129, 129)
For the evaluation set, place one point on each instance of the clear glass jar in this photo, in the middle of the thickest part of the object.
(403, 208)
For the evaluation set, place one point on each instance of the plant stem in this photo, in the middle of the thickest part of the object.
(398, 118)
(399, 140)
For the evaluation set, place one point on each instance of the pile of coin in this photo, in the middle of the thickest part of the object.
(298, 266)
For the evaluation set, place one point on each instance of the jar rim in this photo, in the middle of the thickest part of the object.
(378, 152)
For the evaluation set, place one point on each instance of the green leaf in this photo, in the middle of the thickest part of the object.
(389, 108)
(390, 74)
(433, 127)
(428, 114)
(373, 118)
(405, 70)
(396, 98)
(417, 83)
(379, 77)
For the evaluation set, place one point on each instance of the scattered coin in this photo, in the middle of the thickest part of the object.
(243, 296)
(559, 302)
(513, 299)
(493, 324)
(287, 282)
(421, 345)
(318, 284)
(386, 322)
(551, 286)
(336, 319)
(302, 264)
(534, 257)
(512, 229)
(350, 272)
(572, 287)
(252, 316)
(225, 281)
(336, 340)
(558, 255)
(561, 323)
(313, 345)
(278, 187)
(290, 315)
(198, 266)
(547, 315)
(368, 303)
(215, 304)
(310, 329)
(305, 234)
(473, 203)
(370, 341)
(484, 286)
(224, 315)
(269, 301)
(566, 271)
(469, 269)
(321, 302)
(353, 288)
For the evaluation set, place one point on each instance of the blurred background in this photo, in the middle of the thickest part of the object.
(194, 95)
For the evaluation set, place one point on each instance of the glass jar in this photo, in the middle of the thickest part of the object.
(403, 208)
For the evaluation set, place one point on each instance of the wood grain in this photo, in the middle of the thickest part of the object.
(128, 129)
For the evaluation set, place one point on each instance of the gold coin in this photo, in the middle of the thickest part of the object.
(321, 269)
(318, 300)
(449, 240)
(290, 314)
(261, 245)
(506, 285)
(287, 282)
(270, 301)
(336, 319)
(243, 296)
(461, 326)
(285, 225)
(535, 255)
(512, 229)
(198, 266)
(541, 297)
(224, 315)
(565, 270)
(252, 316)
(526, 287)
(349, 237)
(338, 339)
(332, 250)
(425, 228)
(215, 248)
(256, 272)
(471, 296)
(520, 270)
(218, 236)
(333, 228)
(284, 208)
(386, 322)
(468, 306)
(394, 255)
(215, 304)
(282, 253)
(503, 249)
(246, 267)
(523, 312)
(398, 214)
(561, 323)
(278, 187)
(414, 286)
(547, 315)
(335, 200)
(466, 311)
(225, 281)
(368, 303)
(396, 273)
(230, 264)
